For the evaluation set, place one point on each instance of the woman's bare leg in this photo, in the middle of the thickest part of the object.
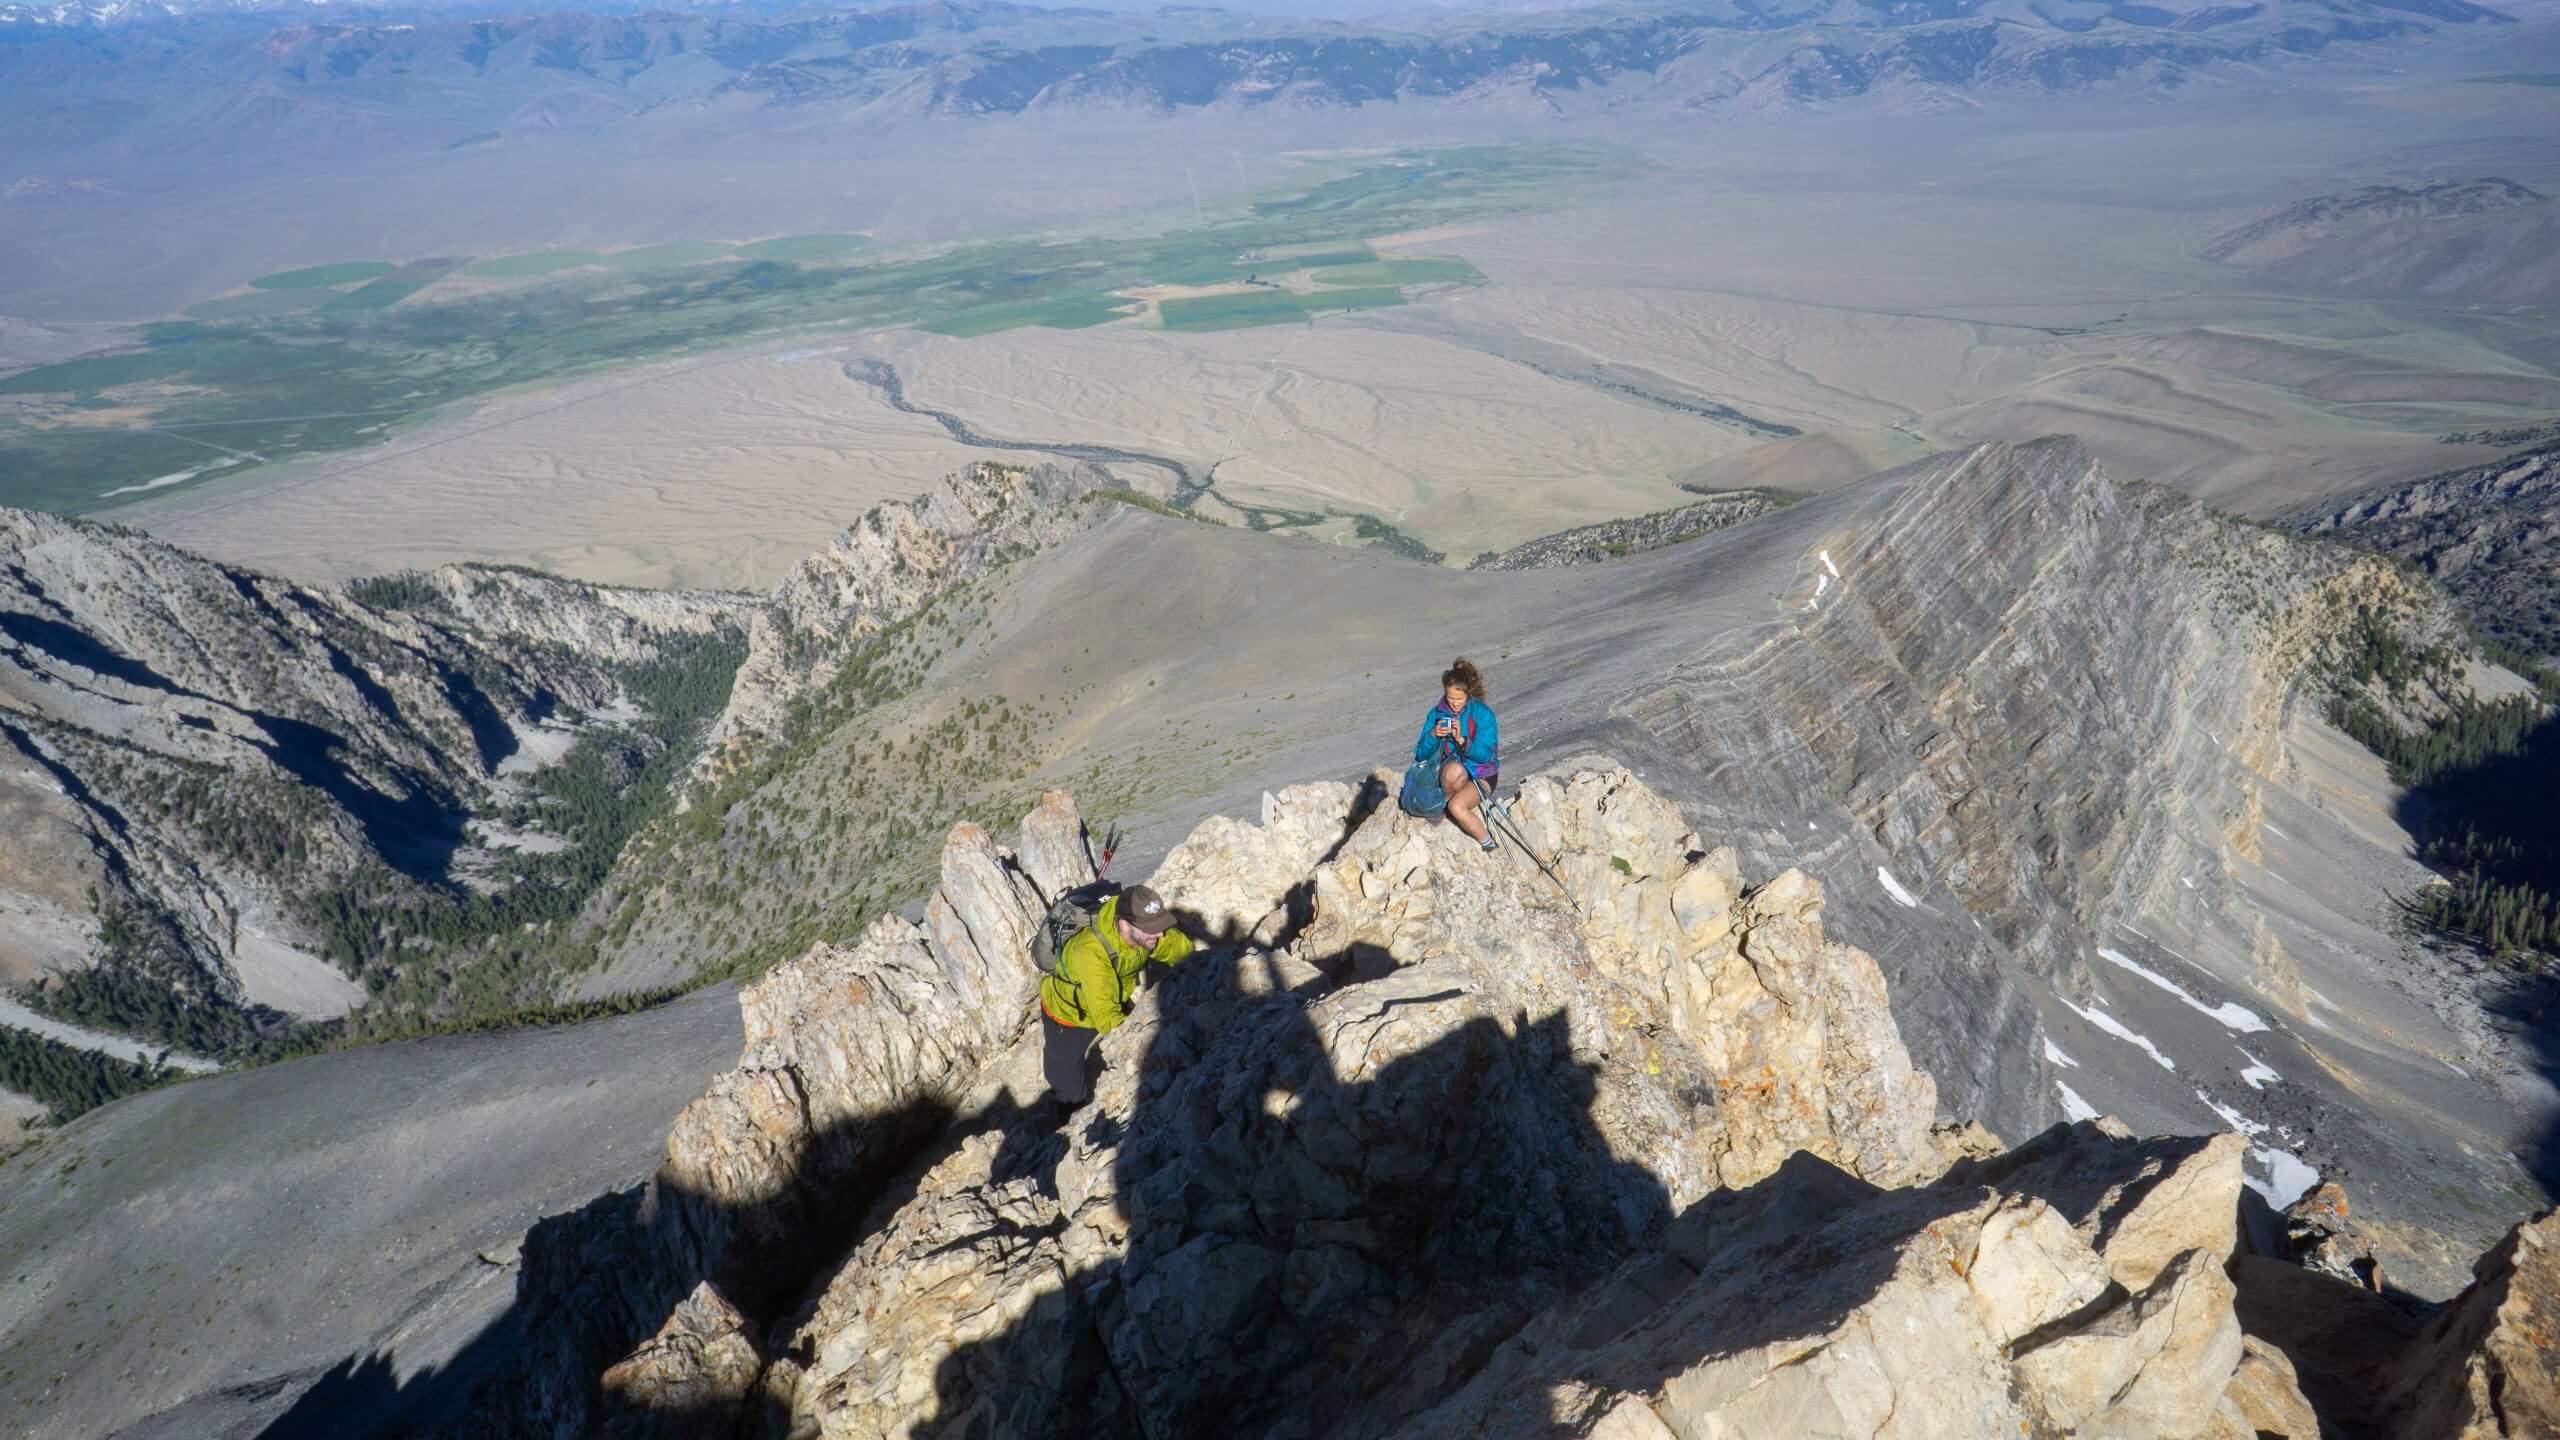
(1464, 803)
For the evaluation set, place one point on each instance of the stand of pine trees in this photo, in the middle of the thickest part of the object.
(2484, 788)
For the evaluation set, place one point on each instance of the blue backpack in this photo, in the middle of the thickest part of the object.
(1423, 794)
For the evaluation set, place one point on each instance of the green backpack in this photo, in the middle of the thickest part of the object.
(1078, 909)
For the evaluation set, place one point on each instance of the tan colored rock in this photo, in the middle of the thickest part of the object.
(1053, 852)
(1479, 1154)
(2029, 1270)
(1277, 1138)
(1815, 1307)
(2264, 1399)
(2484, 1366)
(692, 1378)
(1237, 877)
(2152, 1366)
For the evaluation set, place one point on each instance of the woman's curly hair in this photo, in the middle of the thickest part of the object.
(1463, 672)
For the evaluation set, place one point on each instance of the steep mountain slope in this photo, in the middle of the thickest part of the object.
(170, 1244)
(222, 786)
(2056, 715)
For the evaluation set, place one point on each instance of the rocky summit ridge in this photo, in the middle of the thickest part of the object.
(1604, 1139)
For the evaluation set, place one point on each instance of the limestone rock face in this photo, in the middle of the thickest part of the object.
(1053, 852)
(1322, 1186)
(850, 1054)
(1236, 878)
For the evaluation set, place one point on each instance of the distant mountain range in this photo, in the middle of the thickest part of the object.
(981, 57)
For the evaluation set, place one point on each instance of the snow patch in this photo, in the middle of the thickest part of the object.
(2115, 1027)
(2288, 1178)
(179, 478)
(1827, 565)
(2232, 1016)
(2456, 1069)
(2260, 1074)
(2074, 1108)
(2270, 827)
(2053, 1053)
(1894, 888)
(2231, 1117)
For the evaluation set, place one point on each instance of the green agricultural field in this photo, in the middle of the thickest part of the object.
(391, 289)
(260, 302)
(1282, 264)
(540, 262)
(1270, 307)
(324, 277)
(668, 256)
(1400, 272)
(1071, 313)
(804, 247)
(286, 387)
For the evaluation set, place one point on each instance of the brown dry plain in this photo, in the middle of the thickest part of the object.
(1612, 353)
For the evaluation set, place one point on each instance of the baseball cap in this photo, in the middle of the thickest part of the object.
(1145, 911)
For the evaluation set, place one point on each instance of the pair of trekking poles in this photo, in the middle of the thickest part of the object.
(1497, 813)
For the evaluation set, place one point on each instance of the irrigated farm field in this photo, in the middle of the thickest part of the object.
(236, 388)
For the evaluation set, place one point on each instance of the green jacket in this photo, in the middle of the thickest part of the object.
(1098, 972)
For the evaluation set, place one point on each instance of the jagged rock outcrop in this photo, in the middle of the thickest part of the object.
(2483, 1367)
(610, 623)
(885, 568)
(1346, 1144)
(2037, 1293)
(1596, 1140)
(853, 1056)
(2490, 534)
(1587, 544)
(2480, 1368)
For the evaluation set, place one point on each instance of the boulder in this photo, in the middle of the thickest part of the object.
(1810, 1306)
(2482, 1368)
(694, 1376)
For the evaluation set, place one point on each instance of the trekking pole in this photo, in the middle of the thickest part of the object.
(1499, 819)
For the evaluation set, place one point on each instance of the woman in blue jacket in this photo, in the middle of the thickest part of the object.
(1461, 730)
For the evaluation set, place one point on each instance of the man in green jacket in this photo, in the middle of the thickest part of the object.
(1097, 972)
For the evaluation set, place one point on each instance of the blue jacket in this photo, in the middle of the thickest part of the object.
(1483, 737)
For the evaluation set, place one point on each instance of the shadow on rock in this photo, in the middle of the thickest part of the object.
(654, 1272)
(1307, 1255)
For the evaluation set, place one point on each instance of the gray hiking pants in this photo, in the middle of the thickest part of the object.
(1065, 1053)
